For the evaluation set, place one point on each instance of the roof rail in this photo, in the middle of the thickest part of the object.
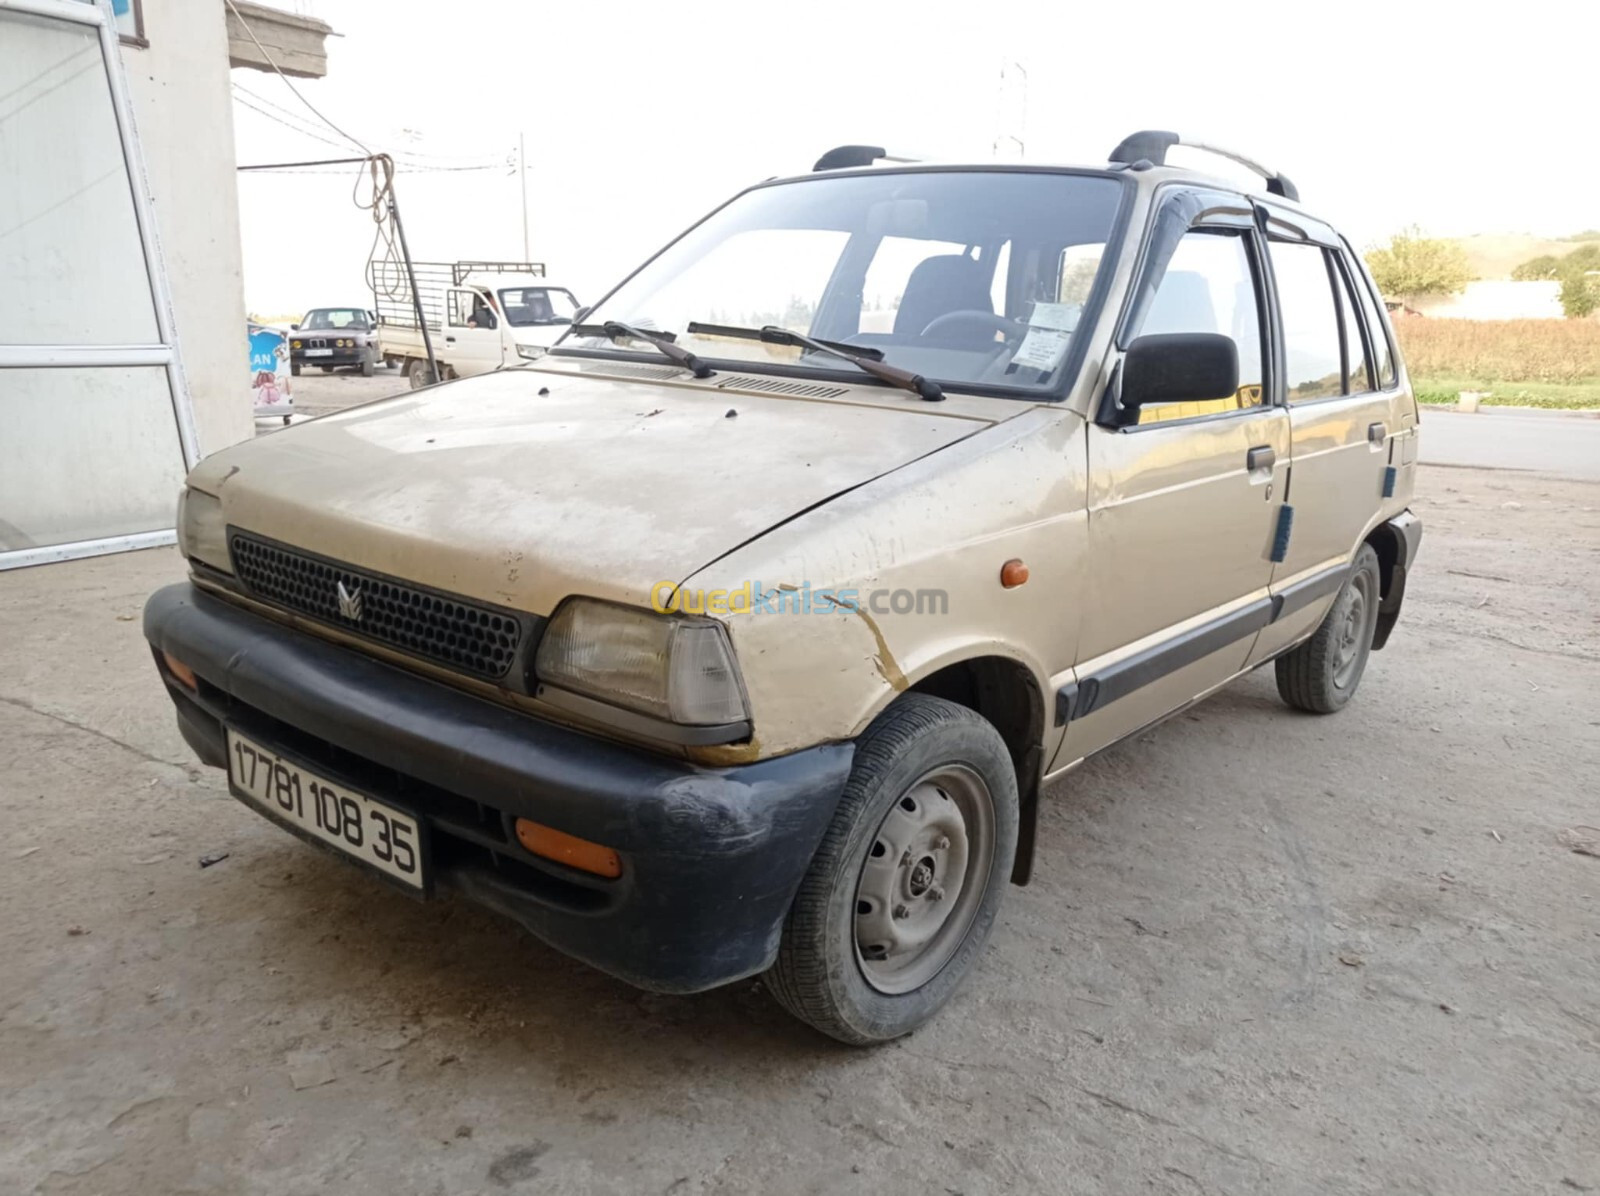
(1152, 145)
(845, 156)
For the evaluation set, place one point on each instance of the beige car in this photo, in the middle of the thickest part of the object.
(741, 633)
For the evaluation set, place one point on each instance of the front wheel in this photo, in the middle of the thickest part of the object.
(1321, 675)
(294, 368)
(903, 892)
(366, 368)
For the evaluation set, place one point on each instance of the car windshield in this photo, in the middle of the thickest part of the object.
(976, 277)
(328, 318)
(532, 306)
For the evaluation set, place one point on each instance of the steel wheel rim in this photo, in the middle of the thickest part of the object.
(923, 879)
(1352, 631)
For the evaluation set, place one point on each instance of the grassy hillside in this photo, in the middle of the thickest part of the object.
(1495, 255)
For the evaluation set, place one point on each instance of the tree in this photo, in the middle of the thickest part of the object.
(1542, 267)
(1579, 275)
(1414, 265)
(1580, 295)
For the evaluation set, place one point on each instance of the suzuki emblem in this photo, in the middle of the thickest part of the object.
(350, 602)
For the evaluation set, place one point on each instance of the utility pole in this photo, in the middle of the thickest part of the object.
(522, 169)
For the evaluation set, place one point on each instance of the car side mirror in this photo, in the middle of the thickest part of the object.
(294, 328)
(1179, 367)
(580, 315)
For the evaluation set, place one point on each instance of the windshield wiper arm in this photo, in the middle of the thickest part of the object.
(869, 360)
(615, 330)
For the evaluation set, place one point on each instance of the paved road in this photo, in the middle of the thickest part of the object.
(1568, 446)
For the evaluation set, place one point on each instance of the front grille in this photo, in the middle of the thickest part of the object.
(470, 636)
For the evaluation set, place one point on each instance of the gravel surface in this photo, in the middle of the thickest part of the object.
(1264, 952)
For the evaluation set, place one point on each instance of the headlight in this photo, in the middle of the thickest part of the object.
(294, 344)
(202, 535)
(530, 352)
(669, 667)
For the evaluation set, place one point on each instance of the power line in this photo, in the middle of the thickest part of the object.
(245, 25)
(293, 128)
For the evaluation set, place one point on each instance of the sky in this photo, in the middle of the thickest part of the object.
(640, 117)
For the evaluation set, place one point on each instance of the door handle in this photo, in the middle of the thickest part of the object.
(1376, 433)
(449, 340)
(1260, 457)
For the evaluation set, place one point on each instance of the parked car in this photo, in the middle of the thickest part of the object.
(480, 316)
(740, 634)
(331, 337)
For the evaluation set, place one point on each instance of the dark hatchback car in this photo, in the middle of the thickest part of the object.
(331, 337)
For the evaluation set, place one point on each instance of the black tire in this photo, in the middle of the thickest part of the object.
(821, 975)
(367, 368)
(294, 368)
(417, 373)
(1321, 675)
(326, 369)
(286, 421)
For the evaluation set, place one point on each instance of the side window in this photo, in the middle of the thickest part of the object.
(1382, 354)
(1357, 379)
(1310, 321)
(1210, 286)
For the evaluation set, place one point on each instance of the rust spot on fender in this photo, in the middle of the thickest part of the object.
(884, 661)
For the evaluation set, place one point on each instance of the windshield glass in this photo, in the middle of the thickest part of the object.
(334, 317)
(969, 276)
(528, 306)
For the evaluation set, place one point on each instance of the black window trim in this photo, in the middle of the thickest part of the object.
(1338, 311)
(1361, 279)
(1223, 217)
(1341, 271)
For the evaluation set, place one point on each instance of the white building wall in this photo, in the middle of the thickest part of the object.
(183, 110)
(1497, 299)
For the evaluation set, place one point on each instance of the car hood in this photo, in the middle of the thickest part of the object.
(521, 488)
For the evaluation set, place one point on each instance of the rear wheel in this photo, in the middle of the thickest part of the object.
(326, 369)
(1321, 675)
(417, 373)
(903, 892)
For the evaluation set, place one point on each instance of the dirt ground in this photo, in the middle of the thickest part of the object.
(1264, 952)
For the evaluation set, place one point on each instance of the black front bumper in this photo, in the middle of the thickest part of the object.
(711, 856)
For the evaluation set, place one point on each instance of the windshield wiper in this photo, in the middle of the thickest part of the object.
(615, 330)
(869, 360)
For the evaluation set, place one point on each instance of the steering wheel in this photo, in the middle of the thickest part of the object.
(984, 319)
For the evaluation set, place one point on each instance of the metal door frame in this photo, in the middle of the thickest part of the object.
(165, 353)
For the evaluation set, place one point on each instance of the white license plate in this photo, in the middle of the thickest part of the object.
(319, 352)
(372, 831)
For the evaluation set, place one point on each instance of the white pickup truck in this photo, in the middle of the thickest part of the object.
(480, 316)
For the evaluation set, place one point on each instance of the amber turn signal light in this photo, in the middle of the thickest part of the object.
(1013, 573)
(568, 849)
(181, 673)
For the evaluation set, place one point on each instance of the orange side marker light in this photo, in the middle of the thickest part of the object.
(181, 673)
(568, 849)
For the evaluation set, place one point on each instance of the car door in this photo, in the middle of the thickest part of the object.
(471, 350)
(1343, 418)
(1181, 503)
